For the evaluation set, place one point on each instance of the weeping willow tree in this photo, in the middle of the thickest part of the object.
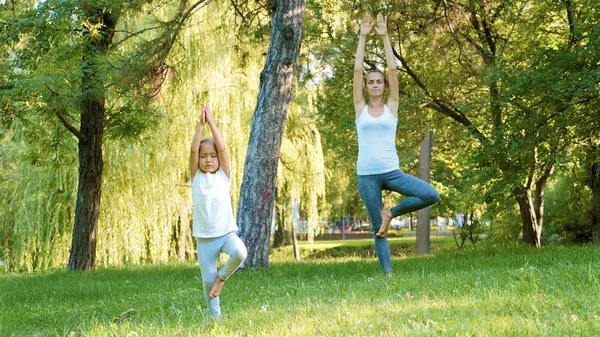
(37, 184)
(301, 175)
(73, 60)
(144, 195)
(147, 199)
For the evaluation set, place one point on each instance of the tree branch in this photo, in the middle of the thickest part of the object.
(571, 19)
(134, 34)
(442, 107)
(70, 127)
(487, 30)
(160, 47)
(64, 121)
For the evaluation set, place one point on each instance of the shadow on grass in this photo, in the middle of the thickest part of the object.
(400, 248)
(368, 251)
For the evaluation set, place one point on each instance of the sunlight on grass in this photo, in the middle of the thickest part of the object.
(484, 291)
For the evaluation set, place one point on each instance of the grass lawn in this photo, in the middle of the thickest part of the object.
(336, 290)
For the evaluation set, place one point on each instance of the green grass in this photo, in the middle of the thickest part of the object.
(553, 291)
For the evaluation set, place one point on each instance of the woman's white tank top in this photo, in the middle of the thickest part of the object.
(376, 142)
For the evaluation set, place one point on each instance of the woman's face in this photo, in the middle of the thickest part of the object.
(375, 84)
(208, 158)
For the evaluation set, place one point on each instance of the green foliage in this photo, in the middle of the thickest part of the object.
(128, 122)
(568, 205)
(505, 223)
(301, 171)
(38, 182)
(146, 197)
(529, 88)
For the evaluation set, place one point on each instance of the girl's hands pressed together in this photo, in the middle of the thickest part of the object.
(203, 116)
(207, 113)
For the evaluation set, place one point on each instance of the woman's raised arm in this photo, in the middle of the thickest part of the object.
(359, 99)
(393, 96)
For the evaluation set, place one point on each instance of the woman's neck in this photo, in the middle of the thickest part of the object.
(376, 102)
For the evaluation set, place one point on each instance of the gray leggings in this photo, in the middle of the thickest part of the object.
(419, 195)
(208, 257)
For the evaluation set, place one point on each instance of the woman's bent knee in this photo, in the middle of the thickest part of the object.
(432, 197)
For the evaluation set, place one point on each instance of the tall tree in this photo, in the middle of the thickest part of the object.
(255, 210)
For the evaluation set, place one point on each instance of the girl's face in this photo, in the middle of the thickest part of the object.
(208, 158)
(375, 84)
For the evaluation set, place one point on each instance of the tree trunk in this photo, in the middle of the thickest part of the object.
(280, 238)
(255, 209)
(595, 185)
(295, 244)
(532, 228)
(531, 206)
(424, 214)
(93, 110)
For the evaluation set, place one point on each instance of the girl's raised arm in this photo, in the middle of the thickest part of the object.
(219, 142)
(195, 147)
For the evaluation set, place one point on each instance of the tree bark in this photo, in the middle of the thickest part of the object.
(595, 185)
(255, 209)
(93, 110)
(423, 215)
(532, 229)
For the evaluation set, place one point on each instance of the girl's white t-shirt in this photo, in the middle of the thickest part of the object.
(376, 142)
(213, 215)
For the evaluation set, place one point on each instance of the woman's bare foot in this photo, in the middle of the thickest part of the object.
(386, 218)
(217, 287)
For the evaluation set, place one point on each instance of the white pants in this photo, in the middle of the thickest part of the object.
(208, 257)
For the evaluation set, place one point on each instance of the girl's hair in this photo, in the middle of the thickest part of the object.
(208, 140)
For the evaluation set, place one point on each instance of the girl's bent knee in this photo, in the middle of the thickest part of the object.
(241, 254)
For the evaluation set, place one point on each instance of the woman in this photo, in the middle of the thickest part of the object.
(378, 163)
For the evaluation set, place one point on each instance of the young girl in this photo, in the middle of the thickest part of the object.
(214, 226)
(378, 163)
